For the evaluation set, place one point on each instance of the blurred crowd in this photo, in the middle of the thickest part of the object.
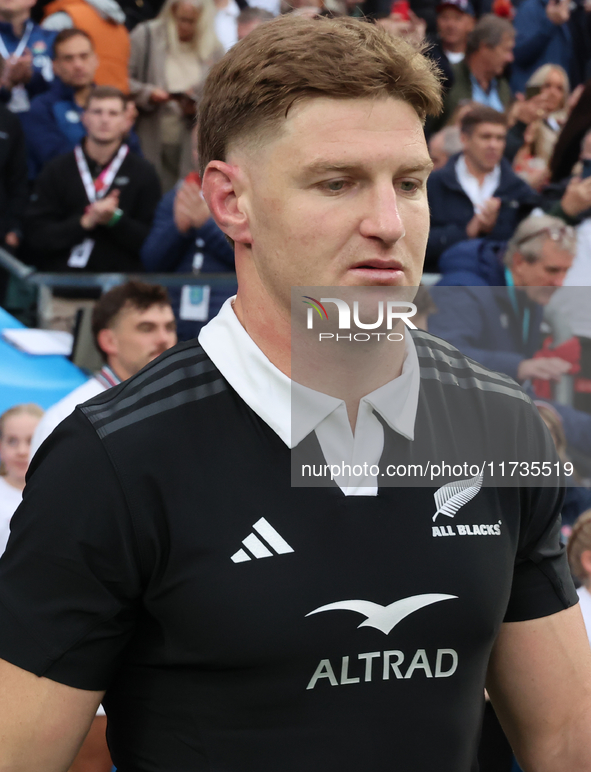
(98, 101)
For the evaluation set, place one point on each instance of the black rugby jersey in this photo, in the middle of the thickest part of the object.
(240, 624)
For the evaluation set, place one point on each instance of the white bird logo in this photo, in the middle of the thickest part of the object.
(385, 618)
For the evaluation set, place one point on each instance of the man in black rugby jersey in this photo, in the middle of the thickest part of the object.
(235, 623)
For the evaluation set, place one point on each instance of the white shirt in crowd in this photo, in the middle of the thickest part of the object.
(476, 192)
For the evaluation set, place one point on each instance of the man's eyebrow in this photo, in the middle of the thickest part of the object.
(326, 167)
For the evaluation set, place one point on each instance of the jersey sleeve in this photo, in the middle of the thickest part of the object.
(70, 579)
(542, 582)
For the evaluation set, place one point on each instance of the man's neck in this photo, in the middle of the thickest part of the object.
(476, 171)
(118, 369)
(483, 76)
(348, 375)
(18, 21)
(99, 152)
(81, 95)
(454, 48)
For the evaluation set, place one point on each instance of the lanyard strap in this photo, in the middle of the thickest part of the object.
(97, 189)
(513, 296)
(22, 44)
(107, 378)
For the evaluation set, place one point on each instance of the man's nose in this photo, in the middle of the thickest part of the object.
(382, 219)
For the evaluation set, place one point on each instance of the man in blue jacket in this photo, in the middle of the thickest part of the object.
(496, 317)
(184, 239)
(26, 49)
(477, 193)
(54, 125)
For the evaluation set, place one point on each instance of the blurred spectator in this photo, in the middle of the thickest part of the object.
(93, 207)
(185, 239)
(479, 76)
(13, 179)
(137, 11)
(500, 326)
(26, 49)
(445, 143)
(250, 18)
(574, 196)
(567, 148)
(538, 123)
(579, 557)
(542, 246)
(577, 497)
(544, 36)
(476, 193)
(528, 164)
(226, 22)
(53, 125)
(170, 58)
(132, 324)
(455, 20)
(16, 431)
(105, 23)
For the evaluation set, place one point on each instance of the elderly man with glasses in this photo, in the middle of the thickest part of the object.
(491, 306)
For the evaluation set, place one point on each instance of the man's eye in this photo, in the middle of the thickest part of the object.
(409, 186)
(335, 186)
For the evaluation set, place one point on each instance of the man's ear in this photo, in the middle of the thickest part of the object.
(106, 341)
(221, 190)
(83, 120)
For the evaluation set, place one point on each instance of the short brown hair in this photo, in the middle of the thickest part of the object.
(106, 92)
(66, 34)
(481, 114)
(137, 294)
(290, 58)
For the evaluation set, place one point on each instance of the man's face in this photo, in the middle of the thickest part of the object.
(105, 120)
(546, 274)
(75, 62)
(498, 57)
(13, 8)
(137, 337)
(338, 198)
(453, 26)
(485, 146)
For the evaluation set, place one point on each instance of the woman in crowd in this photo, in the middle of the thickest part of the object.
(552, 81)
(16, 431)
(170, 58)
(579, 557)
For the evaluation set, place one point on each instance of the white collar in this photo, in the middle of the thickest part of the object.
(268, 391)
(477, 193)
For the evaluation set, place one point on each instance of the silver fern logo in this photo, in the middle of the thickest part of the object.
(453, 495)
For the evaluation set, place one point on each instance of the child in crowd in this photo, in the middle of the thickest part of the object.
(16, 431)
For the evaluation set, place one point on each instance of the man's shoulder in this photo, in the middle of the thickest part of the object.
(179, 378)
(62, 409)
(511, 183)
(444, 364)
(135, 163)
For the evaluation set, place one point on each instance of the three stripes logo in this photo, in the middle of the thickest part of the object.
(262, 547)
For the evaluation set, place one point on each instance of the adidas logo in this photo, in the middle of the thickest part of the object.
(258, 548)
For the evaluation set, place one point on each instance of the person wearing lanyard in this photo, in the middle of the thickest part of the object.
(92, 208)
(27, 49)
